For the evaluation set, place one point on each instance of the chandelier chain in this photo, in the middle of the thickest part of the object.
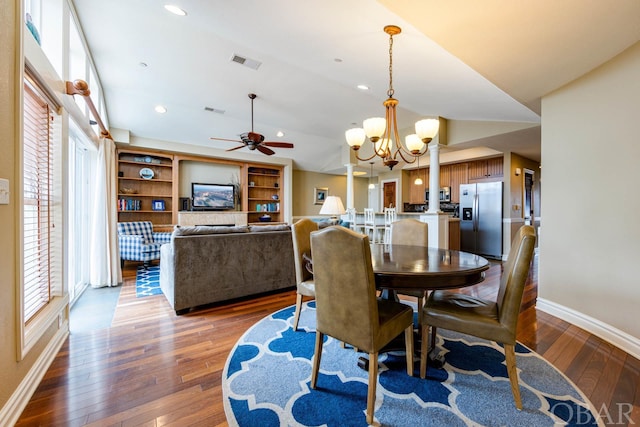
(390, 91)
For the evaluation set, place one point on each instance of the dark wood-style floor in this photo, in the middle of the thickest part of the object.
(153, 368)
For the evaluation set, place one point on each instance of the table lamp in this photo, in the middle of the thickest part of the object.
(332, 206)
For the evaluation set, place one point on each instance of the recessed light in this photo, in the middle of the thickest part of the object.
(175, 10)
(160, 109)
(363, 87)
(280, 134)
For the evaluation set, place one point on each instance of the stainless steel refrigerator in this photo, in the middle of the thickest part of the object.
(481, 218)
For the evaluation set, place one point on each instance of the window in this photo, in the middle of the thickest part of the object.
(37, 192)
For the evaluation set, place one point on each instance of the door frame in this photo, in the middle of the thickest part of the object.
(396, 181)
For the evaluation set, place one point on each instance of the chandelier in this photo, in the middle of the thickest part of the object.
(382, 131)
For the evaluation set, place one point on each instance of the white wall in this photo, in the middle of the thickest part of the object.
(589, 247)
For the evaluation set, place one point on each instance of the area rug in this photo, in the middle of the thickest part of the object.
(267, 375)
(148, 281)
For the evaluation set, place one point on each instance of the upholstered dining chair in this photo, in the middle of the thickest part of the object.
(491, 320)
(305, 287)
(346, 305)
(414, 233)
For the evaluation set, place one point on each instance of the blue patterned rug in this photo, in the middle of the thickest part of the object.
(267, 374)
(148, 281)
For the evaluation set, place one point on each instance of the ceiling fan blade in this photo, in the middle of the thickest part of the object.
(278, 144)
(236, 148)
(225, 139)
(265, 150)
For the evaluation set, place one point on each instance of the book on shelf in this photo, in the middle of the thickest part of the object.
(129, 205)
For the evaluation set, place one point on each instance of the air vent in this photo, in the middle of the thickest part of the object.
(247, 62)
(214, 110)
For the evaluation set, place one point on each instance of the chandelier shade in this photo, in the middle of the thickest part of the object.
(379, 129)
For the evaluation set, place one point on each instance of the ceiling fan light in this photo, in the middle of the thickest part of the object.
(374, 127)
(427, 129)
(413, 143)
(355, 137)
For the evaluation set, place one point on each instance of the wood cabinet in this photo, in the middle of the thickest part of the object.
(416, 192)
(459, 175)
(145, 187)
(487, 168)
(263, 196)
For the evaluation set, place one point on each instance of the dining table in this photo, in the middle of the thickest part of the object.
(398, 268)
(405, 267)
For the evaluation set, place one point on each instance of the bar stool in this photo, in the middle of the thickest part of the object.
(390, 216)
(353, 220)
(370, 225)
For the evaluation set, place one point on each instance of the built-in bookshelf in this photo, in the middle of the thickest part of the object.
(145, 187)
(263, 193)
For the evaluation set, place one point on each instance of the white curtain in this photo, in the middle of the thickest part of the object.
(103, 257)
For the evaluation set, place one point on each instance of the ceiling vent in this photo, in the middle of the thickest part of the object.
(214, 110)
(247, 62)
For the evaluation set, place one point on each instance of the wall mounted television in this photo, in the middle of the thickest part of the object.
(211, 197)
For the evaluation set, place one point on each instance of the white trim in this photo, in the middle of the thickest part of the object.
(11, 411)
(513, 220)
(620, 339)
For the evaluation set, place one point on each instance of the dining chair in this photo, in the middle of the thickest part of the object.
(492, 320)
(352, 217)
(305, 286)
(413, 233)
(346, 305)
(390, 215)
(370, 225)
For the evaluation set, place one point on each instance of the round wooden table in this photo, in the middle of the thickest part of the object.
(402, 267)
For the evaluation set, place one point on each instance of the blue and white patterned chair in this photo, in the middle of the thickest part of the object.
(138, 241)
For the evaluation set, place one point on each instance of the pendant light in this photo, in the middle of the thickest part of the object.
(382, 130)
(418, 180)
(371, 185)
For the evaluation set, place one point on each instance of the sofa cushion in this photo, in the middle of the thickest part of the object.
(278, 227)
(209, 229)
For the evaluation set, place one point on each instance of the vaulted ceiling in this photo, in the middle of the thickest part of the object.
(464, 60)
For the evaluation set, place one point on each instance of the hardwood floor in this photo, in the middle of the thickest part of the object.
(153, 368)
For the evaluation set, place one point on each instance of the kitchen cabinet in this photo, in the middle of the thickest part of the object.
(459, 175)
(416, 192)
(486, 168)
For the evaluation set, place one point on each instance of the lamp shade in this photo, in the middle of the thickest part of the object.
(332, 206)
(427, 128)
(355, 137)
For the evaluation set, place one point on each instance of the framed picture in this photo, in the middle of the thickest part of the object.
(157, 205)
(319, 195)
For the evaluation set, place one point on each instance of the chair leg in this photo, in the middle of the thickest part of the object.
(424, 350)
(420, 315)
(296, 317)
(408, 340)
(373, 380)
(510, 356)
(316, 359)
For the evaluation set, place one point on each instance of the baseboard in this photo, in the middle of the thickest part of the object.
(620, 339)
(11, 411)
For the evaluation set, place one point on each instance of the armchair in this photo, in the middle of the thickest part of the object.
(138, 242)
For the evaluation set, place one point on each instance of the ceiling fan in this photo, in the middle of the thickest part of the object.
(255, 140)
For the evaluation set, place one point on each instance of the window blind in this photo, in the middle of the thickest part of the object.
(37, 200)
